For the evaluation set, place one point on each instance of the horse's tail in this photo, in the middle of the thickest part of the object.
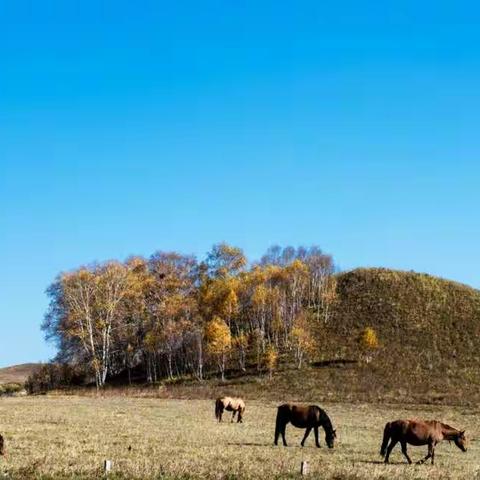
(386, 438)
(277, 425)
(218, 408)
(279, 422)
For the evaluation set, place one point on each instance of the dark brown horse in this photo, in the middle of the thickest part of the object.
(230, 404)
(304, 417)
(419, 432)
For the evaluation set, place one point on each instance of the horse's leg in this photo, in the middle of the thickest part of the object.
(429, 454)
(278, 428)
(239, 416)
(233, 416)
(307, 433)
(220, 413)
(393, 442)
(433, 453)
(284, 426)
(317, 443)
(404, 450)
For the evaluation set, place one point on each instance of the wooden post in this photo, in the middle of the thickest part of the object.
(304, 468)
(107, 466)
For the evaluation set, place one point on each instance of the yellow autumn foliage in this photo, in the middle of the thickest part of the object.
(270, 359)
(218, 336)
(302, 337)
(369, 339)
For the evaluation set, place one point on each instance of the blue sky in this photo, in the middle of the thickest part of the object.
(127, 127)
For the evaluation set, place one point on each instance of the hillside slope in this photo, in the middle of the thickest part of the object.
(429, 346)
(428, 329)
(17, 373)
(429, 343)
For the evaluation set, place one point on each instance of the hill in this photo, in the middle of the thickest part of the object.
(17, 373)
(429, 346)
(428, 332)
(429, 338)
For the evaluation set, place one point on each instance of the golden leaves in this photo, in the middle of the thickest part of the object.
(218, 336)
(369, 339)
(270, 358)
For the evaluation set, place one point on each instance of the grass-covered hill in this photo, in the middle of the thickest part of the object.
(17, 373)
(428, 332)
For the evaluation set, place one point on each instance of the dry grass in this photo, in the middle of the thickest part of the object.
(17, 373)
(69, 437)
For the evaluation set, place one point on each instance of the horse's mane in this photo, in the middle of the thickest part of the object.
(327, 423)
(444, 425)
(448, 429)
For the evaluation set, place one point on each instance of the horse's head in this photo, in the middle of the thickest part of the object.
(330, 438)
(461, 441)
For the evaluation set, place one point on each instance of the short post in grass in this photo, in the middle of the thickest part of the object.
(304, 468)
(107, 466)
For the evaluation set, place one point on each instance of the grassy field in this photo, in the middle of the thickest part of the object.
(69, 437)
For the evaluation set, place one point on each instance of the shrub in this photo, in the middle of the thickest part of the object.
(51, 376)
(10, 388)
(369, 339)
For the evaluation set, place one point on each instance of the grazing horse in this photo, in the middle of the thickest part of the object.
(230, 404)
(304, 417)
(420, 432)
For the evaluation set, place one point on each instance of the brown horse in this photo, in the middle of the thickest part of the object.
(230, 404)
(304, 417)
(419, 432)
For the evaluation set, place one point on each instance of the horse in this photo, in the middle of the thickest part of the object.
(307, 417)
(419, 432)
(230, 404)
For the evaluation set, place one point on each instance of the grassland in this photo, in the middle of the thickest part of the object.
(69, 437)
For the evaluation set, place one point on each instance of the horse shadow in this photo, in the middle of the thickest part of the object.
(249, 444)
(266, 444)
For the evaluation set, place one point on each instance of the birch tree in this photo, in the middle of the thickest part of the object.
(84, 309)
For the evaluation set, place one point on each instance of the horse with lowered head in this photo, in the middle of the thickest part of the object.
(230, 404)
(419, 432)
(308, 417)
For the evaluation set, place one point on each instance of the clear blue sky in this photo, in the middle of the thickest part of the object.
(127, 127)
